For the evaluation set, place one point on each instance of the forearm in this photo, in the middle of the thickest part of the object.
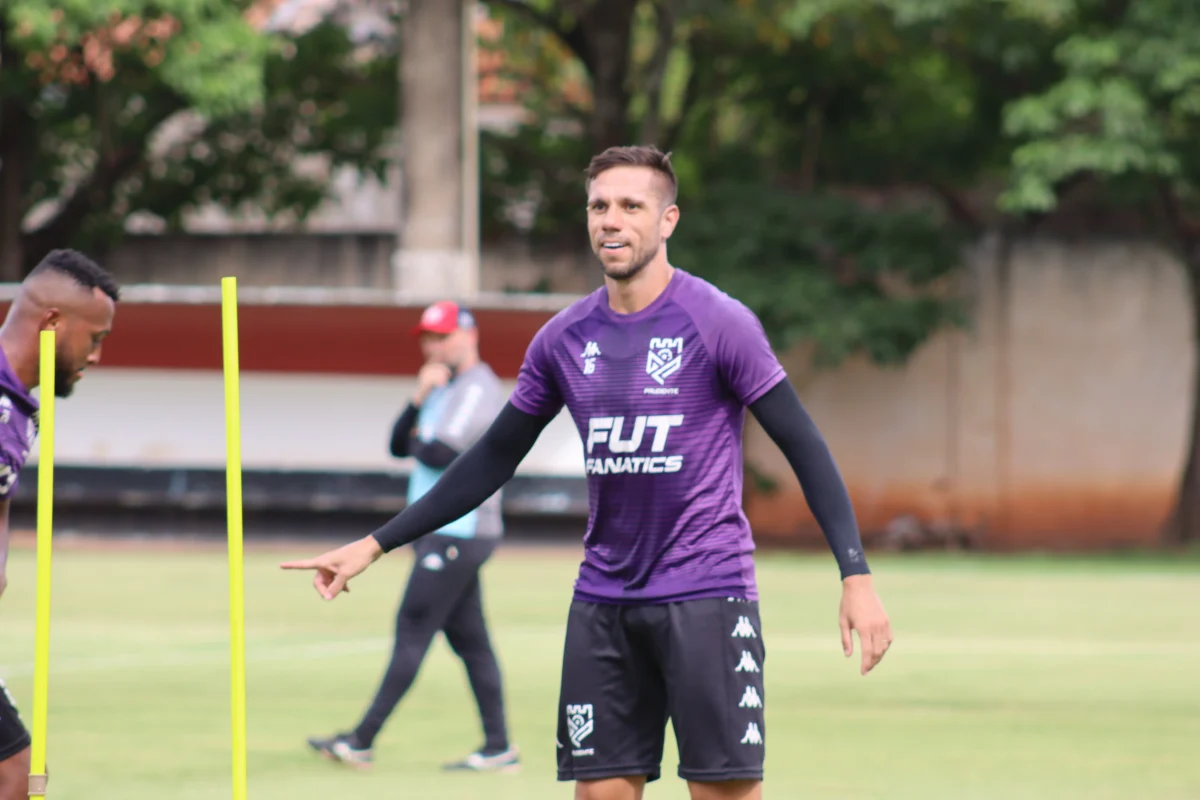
(4, 539)
(784, 419)
(402, 432)
(435, 454)
(473, 477)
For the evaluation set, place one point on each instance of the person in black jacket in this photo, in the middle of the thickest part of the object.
(456, 399)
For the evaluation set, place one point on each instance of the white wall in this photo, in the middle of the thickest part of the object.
(165, 418)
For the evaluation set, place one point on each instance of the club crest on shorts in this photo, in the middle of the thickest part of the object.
(580, 722)
(664, 359)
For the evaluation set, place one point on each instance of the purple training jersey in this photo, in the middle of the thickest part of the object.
(659, 398)
(18, 427)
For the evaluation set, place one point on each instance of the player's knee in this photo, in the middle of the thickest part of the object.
(611, 789)
(14, 777)
(726, 790)
(476, 648)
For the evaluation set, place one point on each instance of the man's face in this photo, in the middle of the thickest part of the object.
(450, 349)
(627, 219)
(79, 334)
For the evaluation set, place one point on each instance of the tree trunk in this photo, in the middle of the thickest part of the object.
(15, 139)
(13, 122)
(1183, 526)
(600, 33)
(608, 29)
(656, 70)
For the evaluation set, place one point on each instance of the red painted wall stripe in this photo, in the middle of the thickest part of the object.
(347, 340)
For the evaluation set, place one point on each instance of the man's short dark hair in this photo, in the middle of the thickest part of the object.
(81, 269)
(636, 156)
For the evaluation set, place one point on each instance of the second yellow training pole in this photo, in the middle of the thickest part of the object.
(45, 526)
(233, 500)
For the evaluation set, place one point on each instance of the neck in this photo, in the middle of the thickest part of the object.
(22, 360)
(630, 295)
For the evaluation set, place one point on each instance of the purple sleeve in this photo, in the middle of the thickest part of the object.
(11, 463)
(743, 355)
(537, 388)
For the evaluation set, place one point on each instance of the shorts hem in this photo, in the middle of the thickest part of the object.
(600, 773)
(720, 775)
(743, 593)
(12, 748)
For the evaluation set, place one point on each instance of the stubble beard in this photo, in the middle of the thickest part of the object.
(629, 271)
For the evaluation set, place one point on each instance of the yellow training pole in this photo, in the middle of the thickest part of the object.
(45, 524)
(233, 500)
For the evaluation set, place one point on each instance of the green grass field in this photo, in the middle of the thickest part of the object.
(1009, 678)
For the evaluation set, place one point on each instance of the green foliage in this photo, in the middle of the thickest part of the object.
(319, 100)
(817, 267)
(771, 107)
(157, 107)
(1126, 110)
(214, 59)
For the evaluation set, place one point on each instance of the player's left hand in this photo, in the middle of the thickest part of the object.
(862, 611)
(335, 568)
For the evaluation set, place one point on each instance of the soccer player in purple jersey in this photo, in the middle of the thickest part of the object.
(657, 368)
(71, 295)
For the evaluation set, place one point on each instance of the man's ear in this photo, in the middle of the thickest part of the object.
(52, 320)
(669, 220)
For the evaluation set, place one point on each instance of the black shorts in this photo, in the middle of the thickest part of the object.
(628, 669)
(13, 736)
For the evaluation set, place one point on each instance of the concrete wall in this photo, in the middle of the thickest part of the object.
(1059, 419)
(359, 260)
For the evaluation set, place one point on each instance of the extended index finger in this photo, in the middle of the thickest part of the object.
(307, 563)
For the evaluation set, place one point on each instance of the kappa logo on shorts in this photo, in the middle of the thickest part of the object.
(747, 664)
(751, 699)
(580, 723)
(743, 629)
(664, 359)
(753, 734)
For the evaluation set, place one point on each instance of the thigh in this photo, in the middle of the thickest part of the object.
(14, 738)
(466, 624)
(612, 712)
(14, 776)
(440, 577)
(714, 668)
(465, 628)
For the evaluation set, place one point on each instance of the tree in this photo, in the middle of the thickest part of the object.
(113, 109)
(817, 269)
(1122, 123)
(803, 134)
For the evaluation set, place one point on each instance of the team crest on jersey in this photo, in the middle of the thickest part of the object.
(665, 358)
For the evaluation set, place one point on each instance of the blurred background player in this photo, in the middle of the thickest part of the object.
(73, 296)
(456, 399)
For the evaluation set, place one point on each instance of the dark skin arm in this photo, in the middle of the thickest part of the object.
(3, 544)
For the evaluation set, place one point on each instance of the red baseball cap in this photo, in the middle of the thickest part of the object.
(444, 316)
